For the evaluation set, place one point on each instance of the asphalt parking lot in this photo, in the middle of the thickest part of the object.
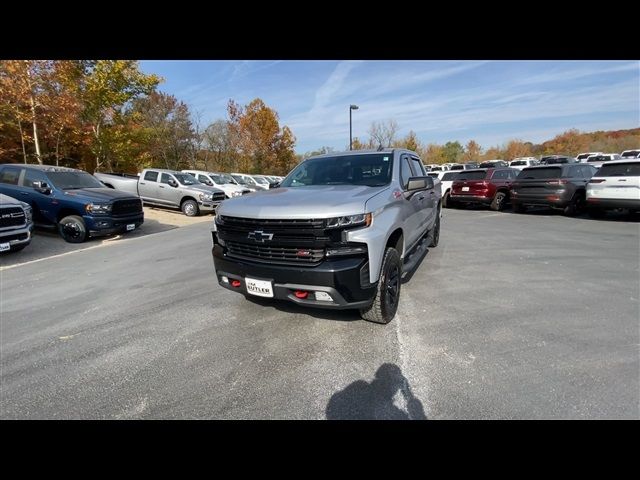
(510, 317)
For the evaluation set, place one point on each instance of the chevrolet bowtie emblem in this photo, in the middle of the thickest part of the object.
(260, 236)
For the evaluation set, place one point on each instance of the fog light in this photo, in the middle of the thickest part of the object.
(225, 280)
(323, 296)
(302, 294)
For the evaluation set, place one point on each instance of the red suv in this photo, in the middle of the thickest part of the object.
(486, 186)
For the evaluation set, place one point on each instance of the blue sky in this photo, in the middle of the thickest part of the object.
(490, 102)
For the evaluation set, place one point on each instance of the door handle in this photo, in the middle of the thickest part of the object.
(421, 197)
(160, 186)
(142, 183)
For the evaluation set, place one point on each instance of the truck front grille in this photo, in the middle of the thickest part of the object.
(12, 217)
(284, 241)
(274, 254)
(218, 197)
(127, 207)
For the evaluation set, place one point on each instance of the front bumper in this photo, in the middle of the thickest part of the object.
(107, 225)
(345, 279)
(208, 206)
(17, 237)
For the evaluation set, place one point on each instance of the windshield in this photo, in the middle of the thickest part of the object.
(583, 156)
(619, 170)
(372, 170)
(552, 161)
(260, 180)
(597, 158)
(518, 162)
(222, 178)
(242, 180)
(186, 179)
(537, 173)
(73, 180)
(630, 154)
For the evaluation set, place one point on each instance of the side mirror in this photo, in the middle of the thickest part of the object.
(173, 183)
(274, 185)
(420, 183)
(42, 187)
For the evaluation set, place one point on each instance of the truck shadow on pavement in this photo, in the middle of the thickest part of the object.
(376, 400)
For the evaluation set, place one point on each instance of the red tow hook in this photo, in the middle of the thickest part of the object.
(302, 294)
(235, 283)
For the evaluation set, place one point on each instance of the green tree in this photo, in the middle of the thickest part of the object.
(106, 89)
(452, 152)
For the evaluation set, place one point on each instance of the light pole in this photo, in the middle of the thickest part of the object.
(351, 107)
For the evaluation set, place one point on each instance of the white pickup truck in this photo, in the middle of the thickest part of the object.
(167, 188)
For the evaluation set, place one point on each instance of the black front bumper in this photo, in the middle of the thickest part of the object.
(345, 279)
(99, 226)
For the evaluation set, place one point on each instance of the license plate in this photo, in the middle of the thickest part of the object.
(465, 189)
(261, 288)
(131, 226)
(4, 247)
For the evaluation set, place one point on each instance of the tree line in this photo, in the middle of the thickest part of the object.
(572, 142)
(107, 115)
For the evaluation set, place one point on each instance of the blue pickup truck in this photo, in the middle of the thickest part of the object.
(71, 200)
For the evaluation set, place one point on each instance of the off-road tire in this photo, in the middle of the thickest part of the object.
(382, 310)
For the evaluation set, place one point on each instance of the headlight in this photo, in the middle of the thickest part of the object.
(98, 208)
(219, 220)
(363, 219)
(28, 212)
(237, 193)
(206, 196)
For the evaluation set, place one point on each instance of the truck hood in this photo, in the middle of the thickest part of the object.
(200, 188)
(94, 194)
(320, 201)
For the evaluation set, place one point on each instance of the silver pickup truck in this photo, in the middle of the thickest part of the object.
(338, 232)
(167, 188)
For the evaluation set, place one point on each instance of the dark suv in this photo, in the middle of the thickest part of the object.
(487, 186)
(557, 159)
(561, 186)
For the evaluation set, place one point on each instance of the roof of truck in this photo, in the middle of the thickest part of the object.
(44, 168)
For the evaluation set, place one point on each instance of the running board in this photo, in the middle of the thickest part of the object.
(417, 253)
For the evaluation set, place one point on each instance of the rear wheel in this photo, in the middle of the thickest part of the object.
(73, 229)
(445, 201)
(190, 208)
(385, 303)
(576, 205)
(499, 201)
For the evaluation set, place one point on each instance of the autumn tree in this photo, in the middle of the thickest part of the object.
(472, 152)
(493, 153)
(256, 135)
(516, 148)
(356, 144)
(218, 142)
(410, 142)
(434, 154)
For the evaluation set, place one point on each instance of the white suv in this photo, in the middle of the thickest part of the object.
(615, 185)
(523, 162)
(631, 153)
(446, 180)
(598, 160)
(582, 157)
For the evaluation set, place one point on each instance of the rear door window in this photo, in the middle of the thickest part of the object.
(10, 175)
(151, 176)
(500, 175)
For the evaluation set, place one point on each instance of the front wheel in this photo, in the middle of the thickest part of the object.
(385, 303)
(436, 232)
(190, 208)
(73, 229)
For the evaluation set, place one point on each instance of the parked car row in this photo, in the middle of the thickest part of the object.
(569, 187)
(80, 205)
